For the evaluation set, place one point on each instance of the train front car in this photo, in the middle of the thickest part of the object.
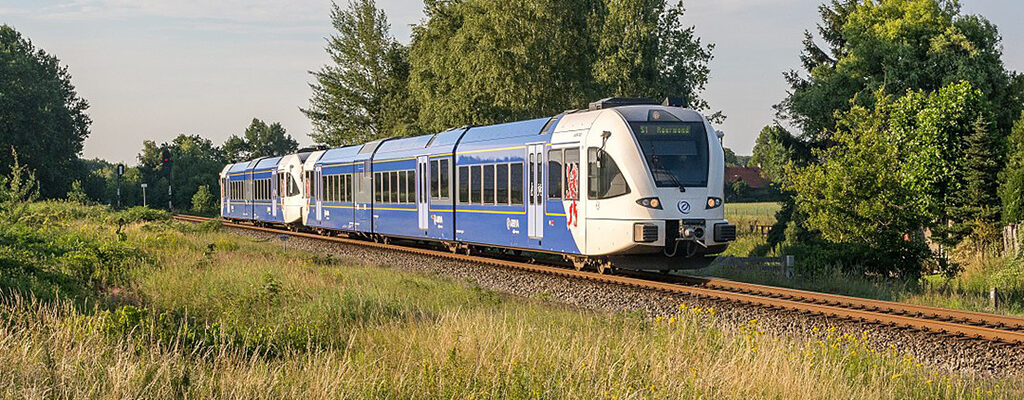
(654, 188)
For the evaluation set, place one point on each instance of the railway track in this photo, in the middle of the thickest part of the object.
(950, 323)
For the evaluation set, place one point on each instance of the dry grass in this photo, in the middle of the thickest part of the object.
(252, 320)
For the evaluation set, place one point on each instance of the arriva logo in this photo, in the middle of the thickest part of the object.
(684, 207)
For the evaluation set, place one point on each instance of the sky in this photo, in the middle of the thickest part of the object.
(152, 69)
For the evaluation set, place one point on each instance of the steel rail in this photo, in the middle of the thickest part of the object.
(956, 323)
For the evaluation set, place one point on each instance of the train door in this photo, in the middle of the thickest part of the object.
(422, 191)
(535, 190)
(364, 196)
(274, 195)
(318, 193)
(225, 198)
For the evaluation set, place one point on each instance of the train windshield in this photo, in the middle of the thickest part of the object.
(675, 151)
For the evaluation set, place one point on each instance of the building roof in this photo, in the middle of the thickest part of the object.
(750, 175)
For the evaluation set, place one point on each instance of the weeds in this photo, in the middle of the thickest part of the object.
(204, 314)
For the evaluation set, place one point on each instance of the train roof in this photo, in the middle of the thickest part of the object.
(239, 167)
(342, 154)
(265, 163)
(405, 145)
(508, 130)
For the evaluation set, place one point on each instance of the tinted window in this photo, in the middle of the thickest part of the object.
(476, 179)
(605, 179)
(676, 152)
(516, 183)
(502, 184)
(463, 184)
(435, 179)
(444, 179)
(378, 187)
(488, 184)
(572, 174)
(395, 190)
(555, 174)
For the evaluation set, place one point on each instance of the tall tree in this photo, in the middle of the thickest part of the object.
(362, 95)
(900, 166)
(259, 140)
(896, 46)
(1011, 188)
(645, 50)
(41, 114)
(195, 161)
(486, 61)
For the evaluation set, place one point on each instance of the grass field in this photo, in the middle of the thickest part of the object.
(132, 305)
(969, 290)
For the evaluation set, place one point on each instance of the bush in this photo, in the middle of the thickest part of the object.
(203, 203)
(77, 194)
(17, 190)
(143, 214)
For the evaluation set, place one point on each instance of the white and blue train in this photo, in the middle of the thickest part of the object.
(627, 183)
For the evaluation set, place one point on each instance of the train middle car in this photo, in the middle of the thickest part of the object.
(636, 186)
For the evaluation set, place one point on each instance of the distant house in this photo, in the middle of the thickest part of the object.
(749, 175)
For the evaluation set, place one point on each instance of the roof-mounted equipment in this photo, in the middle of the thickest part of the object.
(675, 101)
(612, 102)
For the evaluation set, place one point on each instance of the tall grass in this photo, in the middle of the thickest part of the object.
(205, 314)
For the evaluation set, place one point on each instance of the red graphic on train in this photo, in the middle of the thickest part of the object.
(572, 190)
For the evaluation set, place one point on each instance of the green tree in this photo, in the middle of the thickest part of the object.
(259, 140)
(487, 61)
(1011, 188)
(730, 157)
(195, 161)
(774, 148)
(203, 202)
(646, 51)
(478, 62)
(978, 205)
(363, 94)
(41, 114)
(896, 46)
(896, 168)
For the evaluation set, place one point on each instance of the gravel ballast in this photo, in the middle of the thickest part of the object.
(948, 354)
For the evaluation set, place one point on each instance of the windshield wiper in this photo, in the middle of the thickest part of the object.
(661, 168)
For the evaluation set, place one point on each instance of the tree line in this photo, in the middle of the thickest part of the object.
(904, 119)
(475, 62)
(900, 138)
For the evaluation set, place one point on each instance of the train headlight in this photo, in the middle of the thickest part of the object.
(650, 202)
(713, 202)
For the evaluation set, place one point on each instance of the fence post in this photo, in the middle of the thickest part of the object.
(787, 265)
(993, 297)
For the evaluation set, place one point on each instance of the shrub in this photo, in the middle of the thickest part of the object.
(203, 203)
(17, 190)
(143, 214)
(77, 194)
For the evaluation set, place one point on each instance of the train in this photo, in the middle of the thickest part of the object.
(626, 183)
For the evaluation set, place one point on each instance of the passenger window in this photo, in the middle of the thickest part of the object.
(395, 190)
(463, 185)
(502, 183)
(555, 174)
(572, 174)
(488, 184)
(515, 183)
(477, 187)
(324, 185)
(435, 179)
(378, 188)
(604, 179)
(445, 186)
